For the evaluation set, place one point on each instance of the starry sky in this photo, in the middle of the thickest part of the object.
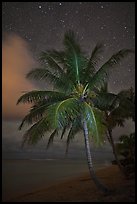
(31, 27)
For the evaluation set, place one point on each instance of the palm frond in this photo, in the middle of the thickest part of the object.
(61, 113)
(69, 138)
(95, 123)
(93, 60)
(41, 105)
(63, 131)
(124, 111)
(36, 132)
(74, 56)
(58, 56)
(102, 74)
(115, 120)
(45, 74)
(71, 42)
(126, 108)
(75, 128)
(53, 63)
(37, 95)
(128, 94)
(127, 103)
(57, 62)
(51, 138)
(75, 67)
(105, 101)
(34, 115)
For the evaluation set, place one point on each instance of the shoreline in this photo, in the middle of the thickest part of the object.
(22, 177)
(82, 188)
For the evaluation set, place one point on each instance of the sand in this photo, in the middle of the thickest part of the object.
(82, 189)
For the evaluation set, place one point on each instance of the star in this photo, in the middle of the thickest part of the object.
(40, 6)
(62, 21)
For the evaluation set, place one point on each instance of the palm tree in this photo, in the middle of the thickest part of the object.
(69, 105)
(117, 108)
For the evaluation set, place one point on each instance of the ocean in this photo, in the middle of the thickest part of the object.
(20, 177)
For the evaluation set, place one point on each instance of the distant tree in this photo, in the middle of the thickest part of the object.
(117, 108)
(69, 106)
(126, 146)
(126, 151)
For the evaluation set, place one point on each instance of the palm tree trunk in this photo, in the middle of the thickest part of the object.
(89, 160)
(114, 151)
(110, 139)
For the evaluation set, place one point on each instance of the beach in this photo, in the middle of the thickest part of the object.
(23, 176)
(82, 189)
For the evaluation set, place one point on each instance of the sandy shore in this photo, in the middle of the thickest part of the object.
(82, 189)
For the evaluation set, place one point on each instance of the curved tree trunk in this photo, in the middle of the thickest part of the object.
(111, 141)
(89, 159)
(114, 152)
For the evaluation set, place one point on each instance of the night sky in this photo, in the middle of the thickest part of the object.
(31, 27)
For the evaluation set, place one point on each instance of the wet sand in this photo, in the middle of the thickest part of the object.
(82, 189)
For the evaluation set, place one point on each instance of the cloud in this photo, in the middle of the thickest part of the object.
(16, 62)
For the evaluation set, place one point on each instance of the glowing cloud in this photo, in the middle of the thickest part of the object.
(16, 62)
